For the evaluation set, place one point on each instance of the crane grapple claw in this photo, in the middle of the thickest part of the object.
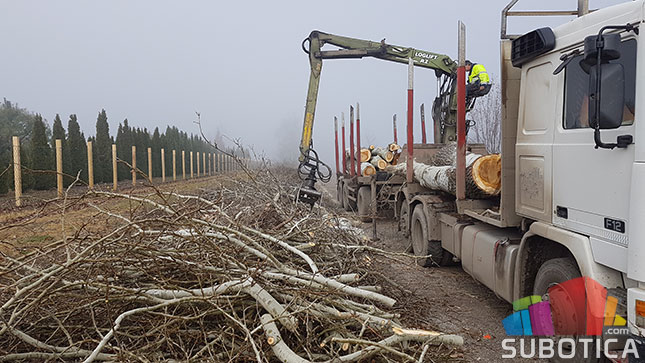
(308, 195)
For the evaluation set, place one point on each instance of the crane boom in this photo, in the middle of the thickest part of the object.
(444, 106)
(442, 64)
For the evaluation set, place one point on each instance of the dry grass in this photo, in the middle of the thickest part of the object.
(39, 220)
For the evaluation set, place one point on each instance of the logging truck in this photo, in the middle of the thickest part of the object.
(572, 201)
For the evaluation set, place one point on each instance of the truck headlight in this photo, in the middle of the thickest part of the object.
(636, 311)
(640, 313)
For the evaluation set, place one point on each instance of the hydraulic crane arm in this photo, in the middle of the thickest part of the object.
(358, 48)
(310, 165)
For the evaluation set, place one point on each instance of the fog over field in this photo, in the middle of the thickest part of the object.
(240, 64)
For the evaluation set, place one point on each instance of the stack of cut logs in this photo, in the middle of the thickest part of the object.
(483, 173)
(375, 159)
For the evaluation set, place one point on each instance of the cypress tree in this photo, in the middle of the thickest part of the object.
(14, 121)
(77, 148)
(58, 132)
(40, 156)
(102, 150)
(124, 149)
(155, 144)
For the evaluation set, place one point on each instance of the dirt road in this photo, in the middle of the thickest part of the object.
(445, 299)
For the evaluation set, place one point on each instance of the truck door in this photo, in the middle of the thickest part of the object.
(591, 186)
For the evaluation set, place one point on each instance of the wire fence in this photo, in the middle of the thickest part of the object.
(185, 164)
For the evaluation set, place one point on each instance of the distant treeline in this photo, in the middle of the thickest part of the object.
(38, 148)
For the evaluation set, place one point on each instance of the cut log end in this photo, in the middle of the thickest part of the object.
(487, 173)
(378, 162)
(367, 169)
(366, 155)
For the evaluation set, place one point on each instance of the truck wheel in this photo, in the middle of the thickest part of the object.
(404, 226)
(551, 273)
(349, 204)
(346, 201)
(419, 236)
(420, 244)
(364, 199)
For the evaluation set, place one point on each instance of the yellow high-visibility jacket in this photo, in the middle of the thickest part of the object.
(478, 72)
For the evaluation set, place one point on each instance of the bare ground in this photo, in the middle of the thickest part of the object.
(446, 299)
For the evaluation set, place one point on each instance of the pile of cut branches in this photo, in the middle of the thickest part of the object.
(239, 273)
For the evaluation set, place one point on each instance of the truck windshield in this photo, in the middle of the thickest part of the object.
(576, 88)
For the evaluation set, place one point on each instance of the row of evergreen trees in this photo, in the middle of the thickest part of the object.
(38, 145)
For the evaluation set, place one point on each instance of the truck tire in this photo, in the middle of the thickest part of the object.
(404, 220)
(551, 273)
(364, 199)
(346, 201)
(420, 244)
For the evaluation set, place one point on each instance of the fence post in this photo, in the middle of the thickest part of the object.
(191, 165)
(17, 171)
(163, 166)
(134, 165)
(210, 166)
(174, 165)
(183, 164)
(59, 167)
(150, 165)
(90, 165)
(115, 178)
(204, 164)
(197, 161)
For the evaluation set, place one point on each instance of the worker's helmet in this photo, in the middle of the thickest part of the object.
(469, 63)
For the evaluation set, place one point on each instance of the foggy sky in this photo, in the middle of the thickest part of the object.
(239, 63)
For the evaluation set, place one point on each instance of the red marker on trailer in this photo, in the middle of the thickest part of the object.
(351, 141)
(396, 141)
(461, 115)
(358, 140)
(423, 124)
(342, 115)
(409, 163)
(336, 141)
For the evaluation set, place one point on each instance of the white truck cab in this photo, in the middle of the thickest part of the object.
(580, 187)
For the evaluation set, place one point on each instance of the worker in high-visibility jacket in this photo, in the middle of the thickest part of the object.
(478, 80)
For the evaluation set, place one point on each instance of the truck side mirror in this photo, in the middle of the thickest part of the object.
(606, 85)
(611, 95)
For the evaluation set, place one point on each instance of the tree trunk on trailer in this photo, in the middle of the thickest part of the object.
(483, 176)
